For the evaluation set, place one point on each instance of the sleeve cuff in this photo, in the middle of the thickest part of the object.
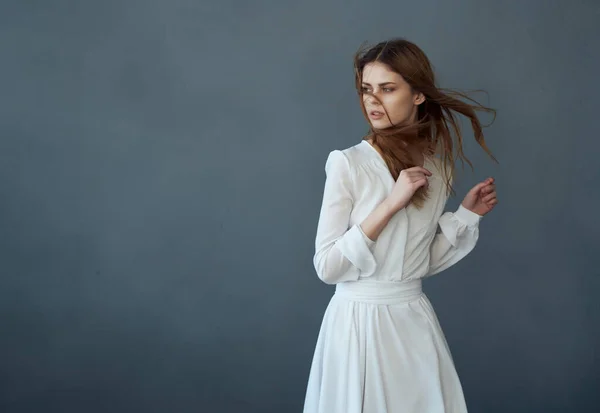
(355, 246)
(368, 240)
(467, 217)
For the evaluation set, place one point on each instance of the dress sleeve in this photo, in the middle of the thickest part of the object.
(457, 238)
(342, 252)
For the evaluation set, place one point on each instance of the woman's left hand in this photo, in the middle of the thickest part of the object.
(481, 199)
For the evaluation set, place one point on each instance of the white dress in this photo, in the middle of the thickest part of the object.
(380, 348)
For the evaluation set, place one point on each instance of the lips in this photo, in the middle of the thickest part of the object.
(376, 114)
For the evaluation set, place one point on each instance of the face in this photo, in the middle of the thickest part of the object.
(399, 103)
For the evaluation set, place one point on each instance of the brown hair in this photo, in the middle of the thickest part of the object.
(436, 116)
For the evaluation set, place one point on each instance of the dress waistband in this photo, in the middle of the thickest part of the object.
(380, 292)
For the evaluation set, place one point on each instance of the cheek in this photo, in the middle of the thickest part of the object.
(399, 106)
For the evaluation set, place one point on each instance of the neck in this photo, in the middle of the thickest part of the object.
(414, 151)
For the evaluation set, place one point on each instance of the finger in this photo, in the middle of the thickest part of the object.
(415, 175)
(420, 182)
(477, 188)
(482, 184)
(418, 179)
(488, 198)
(487, 189)
(419, 169)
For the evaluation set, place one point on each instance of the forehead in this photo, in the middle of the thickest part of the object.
(377, 72)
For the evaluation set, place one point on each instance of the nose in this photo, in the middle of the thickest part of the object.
(371, 99)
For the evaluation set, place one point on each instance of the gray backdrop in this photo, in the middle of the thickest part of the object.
(161, 174)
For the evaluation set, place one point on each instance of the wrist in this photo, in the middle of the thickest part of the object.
(389, 207)
(467, 215)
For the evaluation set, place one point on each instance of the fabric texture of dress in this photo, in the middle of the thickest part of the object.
(380, 348)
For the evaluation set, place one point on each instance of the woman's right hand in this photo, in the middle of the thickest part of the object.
(406, 185)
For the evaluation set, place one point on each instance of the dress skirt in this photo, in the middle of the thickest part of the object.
(381, 349)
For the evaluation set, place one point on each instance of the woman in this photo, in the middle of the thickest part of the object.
(380, 348)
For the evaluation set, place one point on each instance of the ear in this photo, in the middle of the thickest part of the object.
(419, 98)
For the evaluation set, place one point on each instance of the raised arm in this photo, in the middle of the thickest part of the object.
(459, 232)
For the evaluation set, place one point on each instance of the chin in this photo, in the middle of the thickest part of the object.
(381, 124)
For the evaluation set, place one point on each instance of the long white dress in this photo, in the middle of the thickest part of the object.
(380, 348)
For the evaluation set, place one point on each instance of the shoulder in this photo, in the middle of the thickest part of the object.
(435, 165)
(347, 158)
(441, 169)
(440, 174)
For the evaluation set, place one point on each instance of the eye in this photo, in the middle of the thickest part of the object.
(364, 89)
(388, 89)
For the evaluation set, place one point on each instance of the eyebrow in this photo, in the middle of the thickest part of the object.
(381, 84)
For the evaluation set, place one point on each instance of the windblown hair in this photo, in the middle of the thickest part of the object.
(437, 118)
